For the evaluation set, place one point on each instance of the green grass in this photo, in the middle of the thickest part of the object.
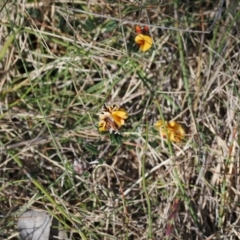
(61, 63)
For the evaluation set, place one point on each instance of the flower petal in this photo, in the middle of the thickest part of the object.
(145, 42)
(120, 113)
(138, 29)
(159, 123)
(102, 126)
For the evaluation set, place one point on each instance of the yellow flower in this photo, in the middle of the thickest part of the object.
(144, 41)
(171, 130)
(112, 118)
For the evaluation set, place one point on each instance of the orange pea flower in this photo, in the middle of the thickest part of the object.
(171, 130)
(112, 118)
(143, 39)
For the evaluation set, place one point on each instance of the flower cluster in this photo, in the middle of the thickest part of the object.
(170, 130)
(112, 118)
(143, 39)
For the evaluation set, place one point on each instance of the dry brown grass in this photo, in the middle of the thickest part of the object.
(60, 64)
